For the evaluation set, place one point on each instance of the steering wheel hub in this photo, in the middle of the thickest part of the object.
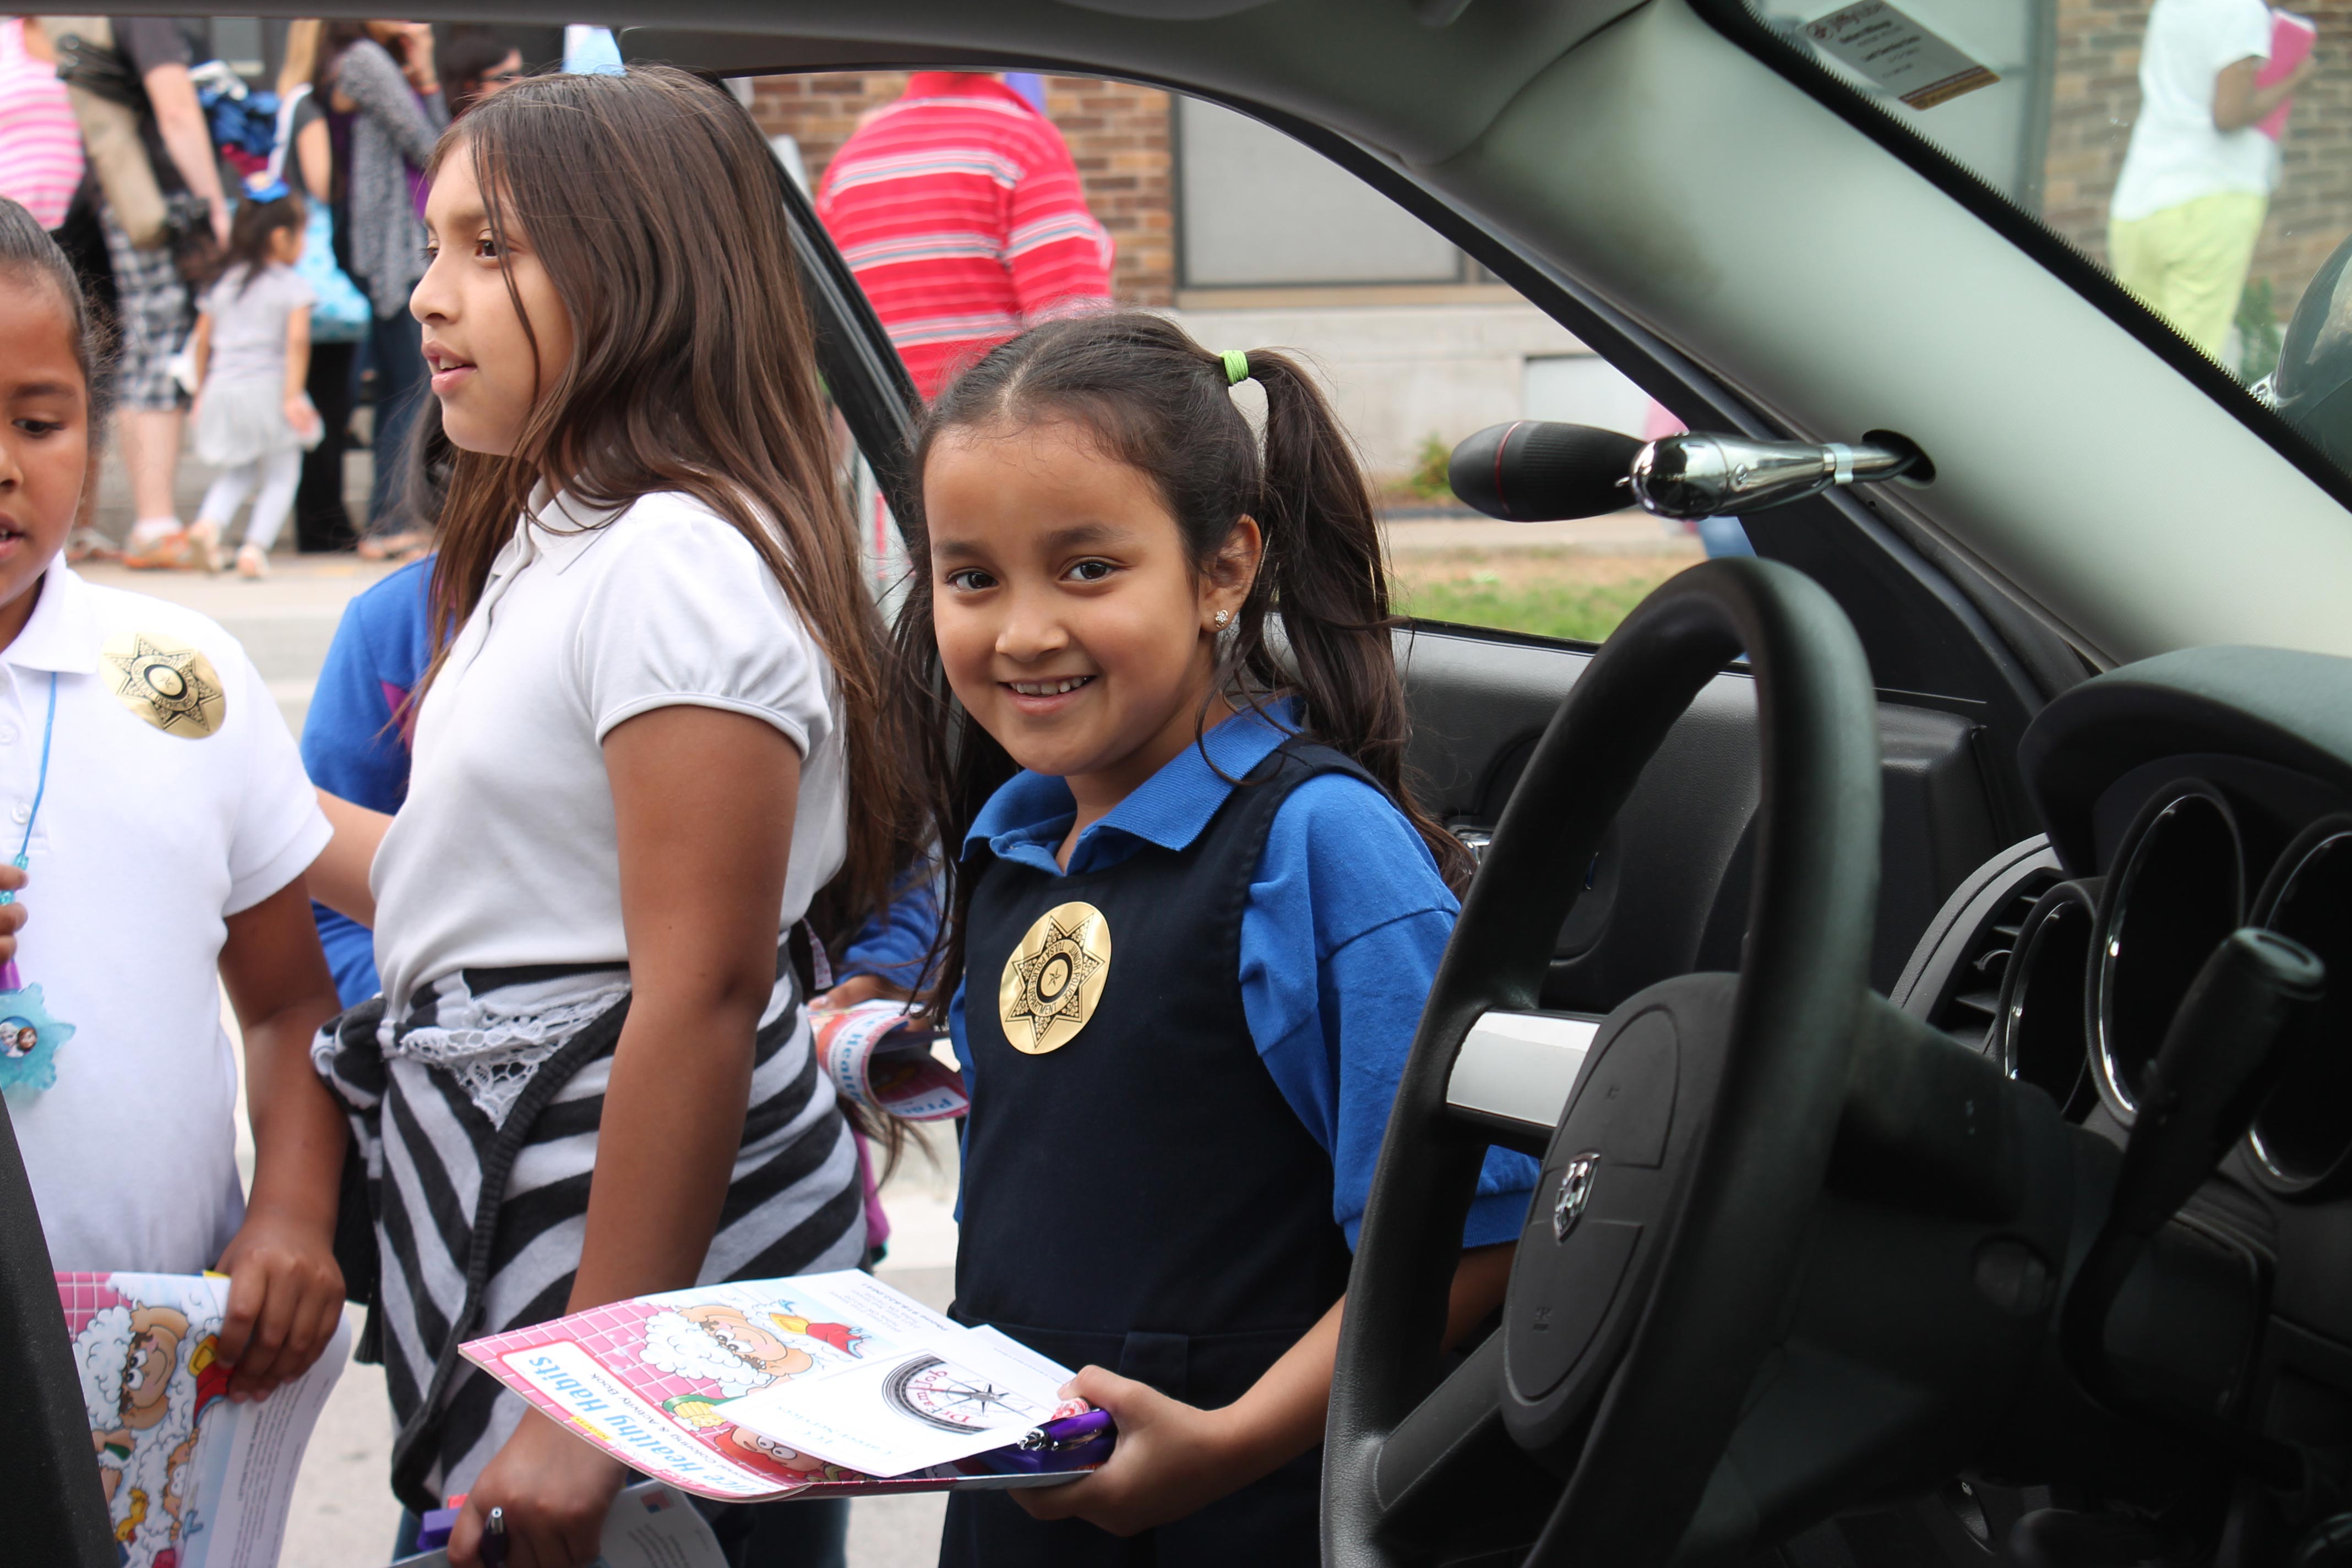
(1605, 1200)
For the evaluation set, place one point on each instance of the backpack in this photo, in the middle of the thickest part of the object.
(339, 311)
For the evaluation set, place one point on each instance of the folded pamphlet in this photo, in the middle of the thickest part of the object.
(819, 1385)
(191, 1481)
(880, 1057)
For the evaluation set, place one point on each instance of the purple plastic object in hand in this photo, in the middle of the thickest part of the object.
(433, 1531)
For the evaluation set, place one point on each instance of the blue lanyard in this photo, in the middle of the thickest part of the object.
(40, 790)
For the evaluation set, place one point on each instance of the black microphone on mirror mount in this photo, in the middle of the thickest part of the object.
(1533, 470)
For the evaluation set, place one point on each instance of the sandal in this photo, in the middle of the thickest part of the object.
(205, 546)
(160, 553)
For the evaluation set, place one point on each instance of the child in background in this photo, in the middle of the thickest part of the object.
(160, 830)
(252, 353)
(1195, 932)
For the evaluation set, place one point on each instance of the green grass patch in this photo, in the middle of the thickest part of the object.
(1581, 612)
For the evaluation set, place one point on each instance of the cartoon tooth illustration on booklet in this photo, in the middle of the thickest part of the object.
(820, 1386)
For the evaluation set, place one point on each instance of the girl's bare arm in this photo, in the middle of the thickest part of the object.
(200, 347)
(299, 414)
(298, 351)
(339, 877)
(317, 154)
(702, 801)
(286, 1294)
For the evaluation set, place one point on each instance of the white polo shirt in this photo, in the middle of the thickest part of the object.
(175, 798)
(505, 853)
(2176, 155)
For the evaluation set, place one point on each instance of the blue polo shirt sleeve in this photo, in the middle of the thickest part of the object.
(351, 746)
(895, 940)
(1346, 921)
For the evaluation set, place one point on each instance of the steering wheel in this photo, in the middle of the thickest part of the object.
(1666, 1227)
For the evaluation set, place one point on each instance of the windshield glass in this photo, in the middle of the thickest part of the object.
(2192, 148)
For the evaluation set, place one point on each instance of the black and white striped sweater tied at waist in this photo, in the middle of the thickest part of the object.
(477, 1117)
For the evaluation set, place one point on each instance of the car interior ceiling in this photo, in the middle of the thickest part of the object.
(2083, 789)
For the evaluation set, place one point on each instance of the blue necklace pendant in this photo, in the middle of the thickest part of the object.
(29, 1038)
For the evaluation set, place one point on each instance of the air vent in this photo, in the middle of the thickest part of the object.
(1970, 998)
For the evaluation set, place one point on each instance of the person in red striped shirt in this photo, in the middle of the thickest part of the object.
(961, 211)
(40, 144)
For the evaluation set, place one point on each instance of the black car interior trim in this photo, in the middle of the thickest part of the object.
(2177, 887)
(2302, 1136)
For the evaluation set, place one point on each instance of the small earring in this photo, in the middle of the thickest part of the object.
(1223, 616)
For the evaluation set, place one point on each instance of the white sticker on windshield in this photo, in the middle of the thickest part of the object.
(1898, 54)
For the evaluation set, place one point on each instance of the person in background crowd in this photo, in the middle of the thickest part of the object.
(475, 64)
(40, 146)
(321, 521)
(41, 166)
(397, 114)
(252, 355)
(958, 254)
(2197, 176)
(154, 309)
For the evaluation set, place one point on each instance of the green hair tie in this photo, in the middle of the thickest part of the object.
(1236, 366)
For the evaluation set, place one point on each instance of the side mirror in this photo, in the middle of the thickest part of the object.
(1534, 472)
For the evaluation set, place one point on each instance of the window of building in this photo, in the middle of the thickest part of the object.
(1258, 209)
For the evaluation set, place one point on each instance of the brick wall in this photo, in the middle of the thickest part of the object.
(2096, 97)
(1118, 137)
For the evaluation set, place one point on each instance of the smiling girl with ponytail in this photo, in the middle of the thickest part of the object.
(1194, 912)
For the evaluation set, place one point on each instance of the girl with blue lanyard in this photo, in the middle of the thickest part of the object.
(1190, 934)
(158, 827)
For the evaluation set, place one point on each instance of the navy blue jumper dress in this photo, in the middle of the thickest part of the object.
(1142, 1197)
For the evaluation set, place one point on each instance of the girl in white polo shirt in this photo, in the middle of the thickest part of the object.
(656, 734)
(155, 821)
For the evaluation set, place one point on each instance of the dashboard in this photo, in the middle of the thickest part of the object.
(2184, 797)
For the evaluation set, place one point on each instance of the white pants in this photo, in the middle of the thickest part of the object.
(278, 474)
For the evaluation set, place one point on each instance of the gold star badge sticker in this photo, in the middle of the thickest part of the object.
(173, 686)
(1053, 978)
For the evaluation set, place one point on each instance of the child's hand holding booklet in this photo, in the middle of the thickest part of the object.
(819, 1385)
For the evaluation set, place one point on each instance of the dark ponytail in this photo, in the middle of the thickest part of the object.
(250, 232)
(1160, 402)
